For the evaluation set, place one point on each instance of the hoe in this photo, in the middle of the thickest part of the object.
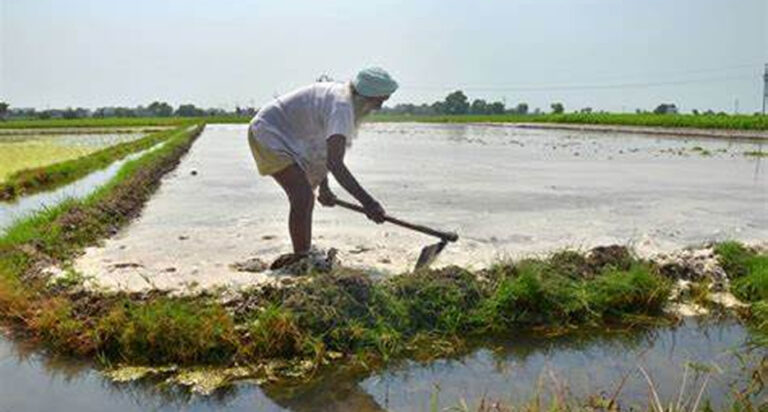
(428, 253)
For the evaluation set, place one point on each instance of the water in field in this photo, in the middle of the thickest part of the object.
(513, 371)
(27, 205)
(507, 192)
(24, 151)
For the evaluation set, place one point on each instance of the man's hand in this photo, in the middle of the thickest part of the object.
(375, 212)
(324, 194)
(326, 198)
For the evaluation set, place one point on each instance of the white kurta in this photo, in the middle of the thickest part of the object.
(298, 124)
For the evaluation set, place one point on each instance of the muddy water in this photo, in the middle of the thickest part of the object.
(26, 205)
(508, 192)
(515, 370)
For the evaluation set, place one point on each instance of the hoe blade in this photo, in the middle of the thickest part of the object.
(429, 253)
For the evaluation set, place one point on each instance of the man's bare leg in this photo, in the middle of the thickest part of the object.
(302, 199)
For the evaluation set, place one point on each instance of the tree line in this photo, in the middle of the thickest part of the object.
(154, 109)
(455, 103)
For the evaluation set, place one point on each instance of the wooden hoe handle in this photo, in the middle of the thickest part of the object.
(449, 236)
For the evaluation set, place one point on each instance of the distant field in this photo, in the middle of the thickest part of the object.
(742, 122)
(26, 152)
(739, 122)
(98, 122)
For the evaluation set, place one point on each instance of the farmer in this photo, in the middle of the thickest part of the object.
(300, 136)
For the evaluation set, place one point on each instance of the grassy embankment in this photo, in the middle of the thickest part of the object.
(740, 122)
(34, 180)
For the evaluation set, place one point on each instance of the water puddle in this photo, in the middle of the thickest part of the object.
(27, 205)
(515, 370)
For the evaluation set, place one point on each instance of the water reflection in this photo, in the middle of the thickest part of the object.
(514, 369)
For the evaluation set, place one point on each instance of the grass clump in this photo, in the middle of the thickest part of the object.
(636, 290)
(747, 269)
(756, 153)
(274, 333)
(167, 331)
(566, 290)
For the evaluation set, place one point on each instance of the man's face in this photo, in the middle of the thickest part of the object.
(373, 103)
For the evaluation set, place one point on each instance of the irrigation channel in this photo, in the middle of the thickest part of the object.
(508, 192)
(512, 372)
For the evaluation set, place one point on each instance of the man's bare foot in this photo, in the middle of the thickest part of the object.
(301, 264)
(286, 260)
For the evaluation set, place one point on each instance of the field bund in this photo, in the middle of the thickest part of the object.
(508, 192)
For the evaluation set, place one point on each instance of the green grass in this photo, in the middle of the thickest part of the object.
(27, 152)
(741, 122)
(747, 268)
(166, 331)
(19, 156)
(748, 271)
(33, 180)
(756, 153)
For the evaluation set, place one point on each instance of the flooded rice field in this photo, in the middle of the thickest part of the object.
(27, 205)
(514, 372)
(26, 150)
(508, 192)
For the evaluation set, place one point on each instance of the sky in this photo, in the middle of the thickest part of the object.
(614, 55)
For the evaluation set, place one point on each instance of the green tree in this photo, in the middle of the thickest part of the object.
(3, 109)
(557, 108)
(189, 110)
(665, 108)
(496, 108)
(479, 106)
(522, 108)
(439, 108)
(456, 103)
(160, 109)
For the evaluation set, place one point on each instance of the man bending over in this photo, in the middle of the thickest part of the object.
(301, 136)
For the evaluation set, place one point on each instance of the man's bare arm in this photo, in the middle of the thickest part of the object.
(335, 163)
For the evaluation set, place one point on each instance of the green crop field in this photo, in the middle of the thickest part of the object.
(739, 122)
(26, 152)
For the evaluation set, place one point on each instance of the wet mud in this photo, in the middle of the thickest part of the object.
(508, 192)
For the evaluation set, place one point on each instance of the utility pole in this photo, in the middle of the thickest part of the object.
(765, 87)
